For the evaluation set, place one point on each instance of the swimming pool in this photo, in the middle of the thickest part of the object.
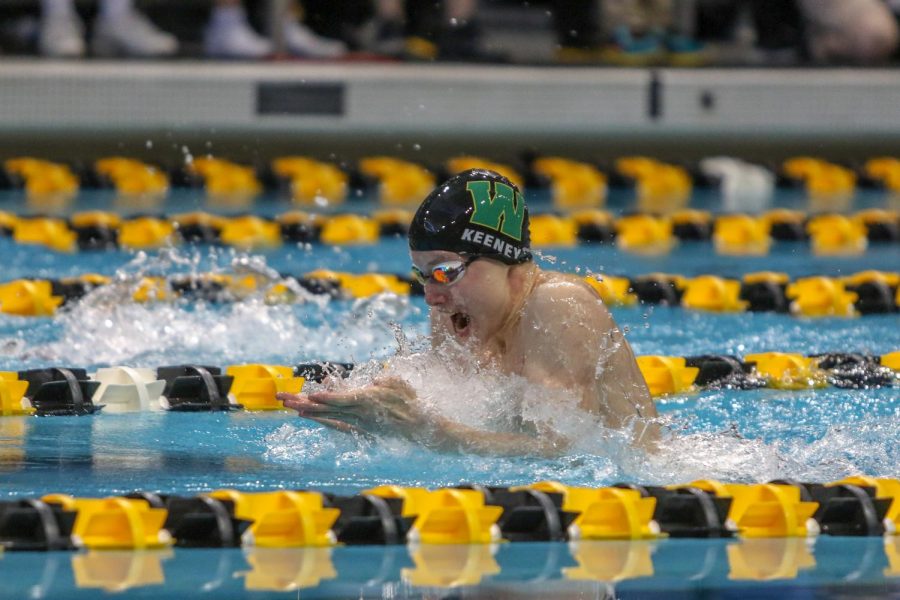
(732, 435)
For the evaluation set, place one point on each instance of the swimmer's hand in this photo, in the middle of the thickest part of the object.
(390, 406)
(387, 406)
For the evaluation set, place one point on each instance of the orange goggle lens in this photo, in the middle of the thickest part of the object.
(445, 273)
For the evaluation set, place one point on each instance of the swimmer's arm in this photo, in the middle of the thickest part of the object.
(456, 437)
(391, 406)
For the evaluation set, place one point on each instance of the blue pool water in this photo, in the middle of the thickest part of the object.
(809, 435)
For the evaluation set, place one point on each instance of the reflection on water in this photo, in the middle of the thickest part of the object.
(583, 569)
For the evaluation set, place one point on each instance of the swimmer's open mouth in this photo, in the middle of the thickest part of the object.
(460, 322)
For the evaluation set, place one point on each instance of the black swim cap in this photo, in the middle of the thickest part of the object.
(477, 212)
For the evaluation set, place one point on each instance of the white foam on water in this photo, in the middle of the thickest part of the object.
(107, 327)
(599, 455)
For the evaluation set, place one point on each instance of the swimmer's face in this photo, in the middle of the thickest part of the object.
(474, 304)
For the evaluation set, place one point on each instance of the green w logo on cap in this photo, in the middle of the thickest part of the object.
(503, 211)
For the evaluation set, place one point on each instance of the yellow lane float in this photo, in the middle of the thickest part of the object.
(350, 229)
(741, 235)
(645, 234)
(604, 513)
(12, 395)
(821, 297)
(45, 231)
(250, 231)
(712, 293)
(891, 360)
(764, 510)
(667, 374)
(886, 170)
(282, 519)
(226, 180)
(28, 298)
(256, 385)
(43, 179)
(551, 230)
(788, 371)
(400, 183)
(363, 285)
(312, 181)
(573, 184)
(146, 232)
(115, 522)
(824, 181)
(445, 516)
(661, 187)
(133, 177)
(464, 163)
(837, 235)
(614, 291)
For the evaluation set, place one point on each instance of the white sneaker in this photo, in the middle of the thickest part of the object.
(234, 38)
(61, 35)
(131, 34)
(300, 40)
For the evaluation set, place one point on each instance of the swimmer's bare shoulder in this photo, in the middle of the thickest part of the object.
(561, 323)
(572, 339)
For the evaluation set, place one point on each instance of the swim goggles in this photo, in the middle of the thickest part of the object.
(445, 273)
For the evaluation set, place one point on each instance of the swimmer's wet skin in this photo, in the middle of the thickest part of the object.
(470, 247)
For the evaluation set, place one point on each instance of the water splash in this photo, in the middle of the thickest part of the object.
(781, 435)
(821, 435)
(107, 327)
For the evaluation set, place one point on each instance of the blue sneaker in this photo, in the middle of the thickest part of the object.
(634, 51)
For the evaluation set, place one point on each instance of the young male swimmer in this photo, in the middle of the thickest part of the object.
(469, 242)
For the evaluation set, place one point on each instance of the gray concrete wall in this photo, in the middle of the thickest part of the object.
(404, 109)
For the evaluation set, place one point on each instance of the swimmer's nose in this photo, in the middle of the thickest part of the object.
(434, 296)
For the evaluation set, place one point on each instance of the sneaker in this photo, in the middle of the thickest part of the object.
(633, 51)
(234, 38)
(300, 40)
(131, 34)
(61, 35)
(384, 37)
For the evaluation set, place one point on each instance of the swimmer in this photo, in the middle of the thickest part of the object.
(470, 247)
